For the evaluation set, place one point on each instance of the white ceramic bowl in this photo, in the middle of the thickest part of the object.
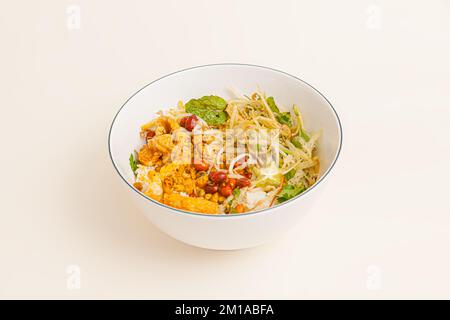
(224, 232)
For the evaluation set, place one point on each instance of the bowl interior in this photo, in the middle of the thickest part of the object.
(222, 80)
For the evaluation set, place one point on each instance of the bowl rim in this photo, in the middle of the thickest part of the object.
(229, 216)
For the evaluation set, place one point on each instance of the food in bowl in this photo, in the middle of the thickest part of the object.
(225, 231)
(215, 156)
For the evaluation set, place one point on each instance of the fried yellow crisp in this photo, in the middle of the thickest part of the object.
(147, 157)
(155, 189)
(156, 148)
(162, 143)
(178, 178)
(190, 203)
(161, 125)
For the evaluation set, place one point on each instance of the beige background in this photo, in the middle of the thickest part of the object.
(382, 229)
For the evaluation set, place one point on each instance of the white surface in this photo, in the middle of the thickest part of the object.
(229, 232)
(382, 228)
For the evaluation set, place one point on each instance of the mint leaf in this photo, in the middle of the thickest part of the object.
(209, 108)
(213, 118)
(213, 102)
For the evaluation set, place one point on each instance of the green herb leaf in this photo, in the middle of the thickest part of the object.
(296, 142)
(133, 164)
(271, 103)
(304, 135)
(209, 108)
(284, 118)
(290, 174)
(236, 192)
(289, 191)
